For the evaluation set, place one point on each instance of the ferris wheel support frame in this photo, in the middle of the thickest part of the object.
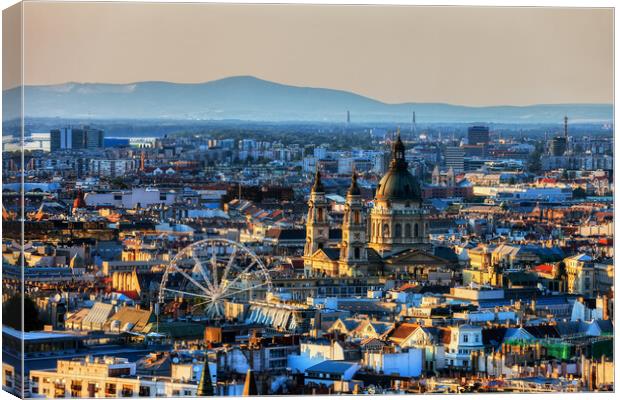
(216, 287)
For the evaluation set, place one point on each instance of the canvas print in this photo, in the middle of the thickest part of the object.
(285, 199)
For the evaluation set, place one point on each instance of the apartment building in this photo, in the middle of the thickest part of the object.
(104, 377)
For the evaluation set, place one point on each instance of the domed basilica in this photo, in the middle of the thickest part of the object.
(392, 239)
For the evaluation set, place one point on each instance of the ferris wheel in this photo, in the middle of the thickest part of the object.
(209, 272)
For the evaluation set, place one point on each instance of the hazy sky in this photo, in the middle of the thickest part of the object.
(472, 56)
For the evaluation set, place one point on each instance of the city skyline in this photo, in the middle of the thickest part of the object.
(301, 200)
(536, 55)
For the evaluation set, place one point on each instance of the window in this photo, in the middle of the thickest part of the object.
(119, 372)
(110, 389)
(408, 230)
(76, 389)
(34, 388)
(357, 253)
(415, 230)
(127, 391)
(92, 389)
(465, 338)
(397, 231)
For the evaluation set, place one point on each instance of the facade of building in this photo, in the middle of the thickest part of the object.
(463, 341)
(581, 274)
(103, 377)
(112, 168)
(137, 197)
(455, 158)
(76, 138)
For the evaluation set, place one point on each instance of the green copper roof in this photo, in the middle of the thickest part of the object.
(398, 183)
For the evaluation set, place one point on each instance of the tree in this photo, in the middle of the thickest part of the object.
(534, 163)
(205, 386)
(12, 314)
(119, 183)
(579, 193)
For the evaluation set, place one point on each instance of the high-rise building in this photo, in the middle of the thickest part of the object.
(455, 158)
(60, 139)
(76, 138)
(478, 135)
(93, 138)
(558, 146)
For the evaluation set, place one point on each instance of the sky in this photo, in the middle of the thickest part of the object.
(462, 55)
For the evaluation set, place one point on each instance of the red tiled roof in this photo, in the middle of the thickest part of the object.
(445, 335)
(544, 268)
(407, 286)
(403, 331)
(132, 294)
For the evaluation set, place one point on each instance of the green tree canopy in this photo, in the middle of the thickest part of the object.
(12, 314)
(579, 193)
(534, 163)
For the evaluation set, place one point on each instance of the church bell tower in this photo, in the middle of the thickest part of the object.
(317, 224)
(353, 253)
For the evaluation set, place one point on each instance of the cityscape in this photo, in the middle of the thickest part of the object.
(333, 245)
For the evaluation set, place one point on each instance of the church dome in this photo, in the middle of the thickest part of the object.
(398, 183)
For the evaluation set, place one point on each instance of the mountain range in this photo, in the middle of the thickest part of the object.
(252, 99)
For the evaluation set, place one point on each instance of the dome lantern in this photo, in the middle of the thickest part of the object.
(398, 183)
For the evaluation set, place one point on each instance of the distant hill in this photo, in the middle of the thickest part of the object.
(253, 99)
